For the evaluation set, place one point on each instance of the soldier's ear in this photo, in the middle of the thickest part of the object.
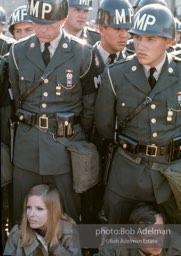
(170, 42)
(101, 29)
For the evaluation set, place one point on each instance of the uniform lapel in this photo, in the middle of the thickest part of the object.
(167, 77)
(137, 77)
(99, 61)
(62, 53)
(34, 53)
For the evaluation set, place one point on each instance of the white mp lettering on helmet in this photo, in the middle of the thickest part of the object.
(46, 8)
(85, 2)
(47, 11)
(153, 20)
(141, 23)
(37, 8)
(121, 16)
(115, 13)
(18, 15)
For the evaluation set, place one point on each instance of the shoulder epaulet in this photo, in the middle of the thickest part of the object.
(19, 41)
(80, 41)
(8, 40)
(178, 46)
(128, 58)
(175, 54)
(130, 51)
(23, 39)
(176, 58)
(130, 46)
(92, 30)
(130, 41)
(76, 39)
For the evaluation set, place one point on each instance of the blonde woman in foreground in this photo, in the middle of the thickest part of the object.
(45, 229)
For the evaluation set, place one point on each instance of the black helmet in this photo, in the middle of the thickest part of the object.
(19, 15)
(2, 15)
(47, 11)
(114, 13)
(146, 2)
(153, 20)
(81, 4)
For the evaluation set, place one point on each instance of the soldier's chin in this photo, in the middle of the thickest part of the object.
(43, 39)
(143, 61)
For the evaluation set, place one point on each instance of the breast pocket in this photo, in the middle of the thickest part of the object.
(68, 84)
(126, 105)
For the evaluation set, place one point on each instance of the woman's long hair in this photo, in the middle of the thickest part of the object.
(52, 229)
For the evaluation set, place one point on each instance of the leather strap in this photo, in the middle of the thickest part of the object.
(161, 151)
(34, 86)
(139, 108)
(51, 122)
(149, 150)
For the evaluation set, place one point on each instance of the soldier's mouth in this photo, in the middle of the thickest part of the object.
(142, 55)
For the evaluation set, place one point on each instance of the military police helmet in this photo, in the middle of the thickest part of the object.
(146, 2)
(19, 15)
(2, 15)
(114, 13)
(47, 11)
(81, 4)
(153, 20)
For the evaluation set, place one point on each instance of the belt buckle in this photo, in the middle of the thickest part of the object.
(43, 122)
(152, 146)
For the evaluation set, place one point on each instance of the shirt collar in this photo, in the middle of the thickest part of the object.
(104, 54)
(158, 69)
(54, 43)
(77, 35)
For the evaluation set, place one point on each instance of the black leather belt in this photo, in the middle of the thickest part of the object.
(135, 147)
(43, 121)
(153, 150)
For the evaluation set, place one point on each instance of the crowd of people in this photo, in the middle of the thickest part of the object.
(114, 89)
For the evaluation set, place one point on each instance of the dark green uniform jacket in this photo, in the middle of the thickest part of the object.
(90, 36)
(5, 44)
(100, 63)
(125, 86)
(71, 72)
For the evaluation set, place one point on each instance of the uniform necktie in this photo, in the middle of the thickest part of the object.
(112, 58)
(46, 54)
(151, 79)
